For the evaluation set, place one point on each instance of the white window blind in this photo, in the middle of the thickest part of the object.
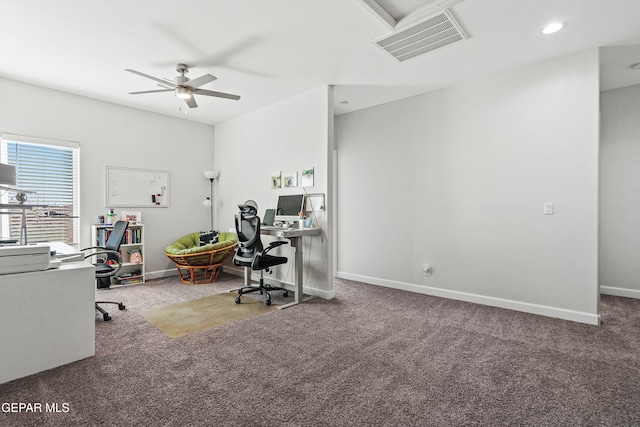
(50, 169)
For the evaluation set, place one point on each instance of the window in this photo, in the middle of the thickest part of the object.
(48, 172)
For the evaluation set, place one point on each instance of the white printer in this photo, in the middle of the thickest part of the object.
(24, 258)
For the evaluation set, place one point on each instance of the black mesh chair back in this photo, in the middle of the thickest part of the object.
(248, 231)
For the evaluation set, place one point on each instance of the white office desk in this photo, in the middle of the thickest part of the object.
(47, 318)
(294, 235)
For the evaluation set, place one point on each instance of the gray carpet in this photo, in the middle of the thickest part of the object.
(370, 357)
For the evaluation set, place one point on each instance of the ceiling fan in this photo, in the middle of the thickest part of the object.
(184, 87)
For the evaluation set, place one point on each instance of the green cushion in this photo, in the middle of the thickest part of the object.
(190, 244)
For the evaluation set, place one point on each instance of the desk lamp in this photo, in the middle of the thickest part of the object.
(211, 175)
(8, 182)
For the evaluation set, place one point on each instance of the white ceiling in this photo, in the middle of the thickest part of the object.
(267, 51)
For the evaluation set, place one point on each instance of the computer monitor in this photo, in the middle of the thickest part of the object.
(289, 207)
(7, 174)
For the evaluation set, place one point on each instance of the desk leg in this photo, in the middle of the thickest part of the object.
(296, 243)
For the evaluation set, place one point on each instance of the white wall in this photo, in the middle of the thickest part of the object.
(457, 178)
(620, 192)
(110, 134)
(288, 137)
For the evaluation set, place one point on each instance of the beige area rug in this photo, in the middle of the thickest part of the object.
(184, 318)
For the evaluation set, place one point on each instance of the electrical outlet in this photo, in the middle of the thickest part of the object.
(427, 270)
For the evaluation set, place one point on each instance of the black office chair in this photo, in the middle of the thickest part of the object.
(250, 252)
(104, 269)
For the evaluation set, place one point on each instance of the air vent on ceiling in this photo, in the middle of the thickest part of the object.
(433, 33)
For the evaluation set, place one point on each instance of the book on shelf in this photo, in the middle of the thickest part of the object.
(128, 280)
(131, 236)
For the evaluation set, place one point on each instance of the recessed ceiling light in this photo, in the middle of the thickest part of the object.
(554, 27)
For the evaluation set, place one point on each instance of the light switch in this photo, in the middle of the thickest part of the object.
(548, 208)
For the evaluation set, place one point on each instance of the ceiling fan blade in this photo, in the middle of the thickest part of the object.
(191, 102)
(151, 91)
(167, 83)
(199, 81)
(164, 82)
(217, 94)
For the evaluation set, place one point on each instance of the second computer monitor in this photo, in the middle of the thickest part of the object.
(289, 207)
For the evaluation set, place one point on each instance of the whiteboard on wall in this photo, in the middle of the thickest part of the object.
(135, 188)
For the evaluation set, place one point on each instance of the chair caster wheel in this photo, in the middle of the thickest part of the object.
(121, 306)
(106, 317)
(238, 300)
(268, 302)
(285, 294)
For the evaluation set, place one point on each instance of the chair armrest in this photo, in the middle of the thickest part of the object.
(106, 251)
(102, 251)
(85, 256)
(99, 250)
(273, 245)
(93, 247)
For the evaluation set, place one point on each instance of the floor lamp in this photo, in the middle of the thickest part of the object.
(211, 175)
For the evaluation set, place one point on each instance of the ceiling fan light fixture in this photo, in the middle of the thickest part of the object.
(183, 92)
(184, 88)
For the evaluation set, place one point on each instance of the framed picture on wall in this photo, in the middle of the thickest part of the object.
(306, 178)
(132, 218)
(290, 179)
(276, 181)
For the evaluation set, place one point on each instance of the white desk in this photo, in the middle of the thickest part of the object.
(294, 235)
(47, 318)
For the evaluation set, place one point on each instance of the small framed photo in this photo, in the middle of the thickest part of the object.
(306, 177)
(276, 181)
(132, 217)
(290, 179)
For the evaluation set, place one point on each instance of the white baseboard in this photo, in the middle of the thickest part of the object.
(236, 271)
(321, 293)
(620, 292)
(150, 275)
(560, 313)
